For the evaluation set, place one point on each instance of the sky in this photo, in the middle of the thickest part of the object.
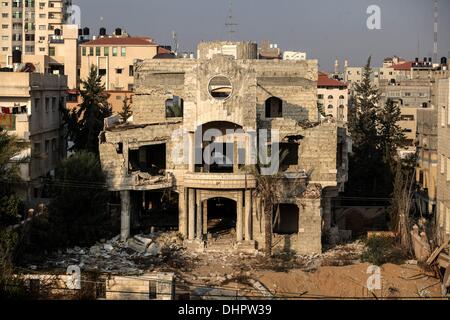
(325, 29)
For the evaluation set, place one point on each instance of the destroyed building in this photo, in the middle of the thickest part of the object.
(228, 101)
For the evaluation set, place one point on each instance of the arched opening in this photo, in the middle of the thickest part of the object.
(330, 97)
(286, 218)
(220, 147)
(274, 108)
(221, 215)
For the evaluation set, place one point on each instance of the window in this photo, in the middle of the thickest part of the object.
(53, 104)
(97, 51)
(443, 115)
(51, 51)
(330, 97)
(119, 71)
(320, 96)
(37, 102)
(448, 171)
(131, 71)
(220, 88)
(174, 107)
(91, 51)
(330, 106)
(47, 102)
(114, 51)
(106, 51)
(286, 219)
(274, 108)
(83, 51)
(47, 146)
(341, 97)
(102, 72)
(124, 52)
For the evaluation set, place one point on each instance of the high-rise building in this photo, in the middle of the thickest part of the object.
(27, 25)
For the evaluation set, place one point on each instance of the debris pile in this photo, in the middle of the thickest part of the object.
(138, 255)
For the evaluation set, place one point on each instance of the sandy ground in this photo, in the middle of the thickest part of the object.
(397, 281)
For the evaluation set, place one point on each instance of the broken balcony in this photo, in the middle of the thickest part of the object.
(147, 167)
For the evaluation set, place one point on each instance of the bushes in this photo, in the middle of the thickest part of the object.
(381, 250)
(78, 212)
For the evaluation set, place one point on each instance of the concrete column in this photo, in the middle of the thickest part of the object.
(205, 217)
(239, 222)
(183, 212)
(248, 215)
(235, 156)
(191, 200)
(125, 215)
(199, 217)
(191, 136)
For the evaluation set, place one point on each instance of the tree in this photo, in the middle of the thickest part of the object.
(367, 175)
(10, 204)
(391, 134)
(86, 122)
(126, 112)
(78, 210)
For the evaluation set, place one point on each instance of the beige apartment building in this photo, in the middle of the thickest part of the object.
(29, 109)
(115, 56)
(27, 25)
(443, 150)
(332, 96)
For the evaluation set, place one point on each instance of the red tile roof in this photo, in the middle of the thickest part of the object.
(121, 41)
(162, 50)
(324, 81)
(403, 66)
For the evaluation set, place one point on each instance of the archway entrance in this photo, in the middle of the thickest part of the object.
(222, 214)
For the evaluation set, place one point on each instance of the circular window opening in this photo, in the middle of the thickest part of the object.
(220, 88)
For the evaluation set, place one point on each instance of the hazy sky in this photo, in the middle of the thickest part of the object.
(325, 29)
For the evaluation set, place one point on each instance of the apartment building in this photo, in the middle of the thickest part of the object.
(114, 56)
(443, 150)
(30, 109)
(27, 25)
(332, 96)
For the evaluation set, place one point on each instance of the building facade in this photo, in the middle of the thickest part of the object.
(217, 107)
(114, 56)
(30, 109)
(443, 150)
(333, 97)
(27, 25)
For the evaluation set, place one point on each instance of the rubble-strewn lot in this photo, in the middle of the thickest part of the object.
(336, 273)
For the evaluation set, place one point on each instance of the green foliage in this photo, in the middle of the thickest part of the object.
(126, 110)
(380, 250)
(10, 286)
(376, 138)
(78, 211)
(86, 122)
(11, 208)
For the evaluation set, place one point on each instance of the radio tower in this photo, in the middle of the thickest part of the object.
(436, 14)
(230, 24)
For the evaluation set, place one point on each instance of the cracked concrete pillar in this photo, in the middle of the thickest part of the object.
(125, 215)
(205, 217)
(248, 215)
(191, 223)
(183, 212)
(199, 217)
(239, 209)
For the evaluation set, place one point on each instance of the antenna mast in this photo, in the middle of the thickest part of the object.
(230, 24)
(436, 14)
